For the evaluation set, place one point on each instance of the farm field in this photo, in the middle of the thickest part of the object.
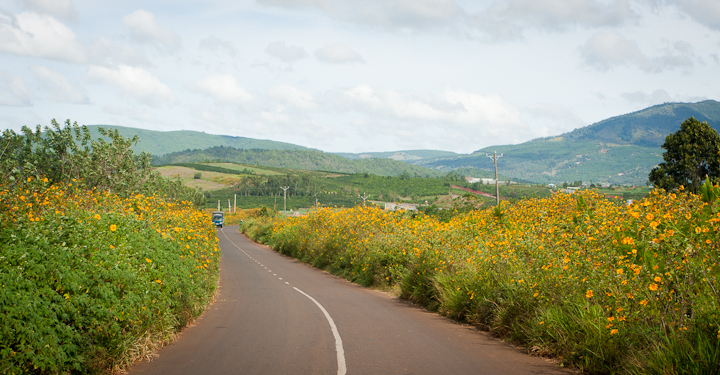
(604, 287)
(208, 180)
(257, 187)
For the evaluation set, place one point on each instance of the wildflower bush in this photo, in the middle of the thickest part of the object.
(602, 286)
(90, 281)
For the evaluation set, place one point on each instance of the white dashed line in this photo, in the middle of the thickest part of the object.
(342, 368)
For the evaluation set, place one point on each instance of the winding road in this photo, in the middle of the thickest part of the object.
(276, 315)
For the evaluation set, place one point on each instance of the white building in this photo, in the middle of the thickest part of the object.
(391, 206)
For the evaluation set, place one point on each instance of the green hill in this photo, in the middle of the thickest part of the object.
(648, 127)
(619, 150)
(160, 143)
(310, 160)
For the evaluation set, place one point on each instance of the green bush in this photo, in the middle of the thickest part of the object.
(87, 279)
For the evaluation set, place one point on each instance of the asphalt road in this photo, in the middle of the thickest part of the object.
(275, 315)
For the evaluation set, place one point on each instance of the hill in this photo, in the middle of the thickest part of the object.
(310, 160)
(160, 143)
(648, 127)
(619, 150)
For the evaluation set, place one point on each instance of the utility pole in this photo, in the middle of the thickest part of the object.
(285, 198)
(495, 157)
(235, 205)
(364, 197)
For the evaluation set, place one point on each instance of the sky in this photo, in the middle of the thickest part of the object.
(354, 75)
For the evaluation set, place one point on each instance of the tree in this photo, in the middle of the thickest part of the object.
(691, 153)
(68, 154)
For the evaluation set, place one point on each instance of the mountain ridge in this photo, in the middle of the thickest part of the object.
(159, 143)
(618, 150)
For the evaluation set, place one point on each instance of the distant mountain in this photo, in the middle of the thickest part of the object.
(649, 127)
(160, 143)
(619, 150)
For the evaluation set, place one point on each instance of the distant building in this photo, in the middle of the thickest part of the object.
(484, 181)
(552, 186)
(390, 206)
(571, 189)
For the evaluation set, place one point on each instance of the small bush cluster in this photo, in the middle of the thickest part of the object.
(90, 281)
(604, 287)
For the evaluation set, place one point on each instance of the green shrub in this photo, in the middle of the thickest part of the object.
(88, 278)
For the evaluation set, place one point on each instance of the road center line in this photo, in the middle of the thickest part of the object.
(342, 369)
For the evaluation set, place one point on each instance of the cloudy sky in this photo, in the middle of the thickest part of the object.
(354, 75)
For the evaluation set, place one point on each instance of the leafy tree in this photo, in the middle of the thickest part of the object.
(691, 154)
(67, 153)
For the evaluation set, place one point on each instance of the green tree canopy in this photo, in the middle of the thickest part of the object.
(691, 153)
(65, 154)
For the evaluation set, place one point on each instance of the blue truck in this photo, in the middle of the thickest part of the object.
(218, 218)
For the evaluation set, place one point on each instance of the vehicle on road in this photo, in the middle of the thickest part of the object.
(218, 218)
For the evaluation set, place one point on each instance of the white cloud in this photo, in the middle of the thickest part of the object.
(223, 88)
(35, 35)
(144, 29)
(552, 119)
(295, 97)
(706, 12)
(104, 50)
(60, 90)
(137, 115)
(453, 119)
(338, 54)
(213, 43)
(389, 14)
(608, 49)
(13, 91)
(453, 106)
(136, 83)
(63, 9)
(288, 54)
(654, 98)
(508, 19)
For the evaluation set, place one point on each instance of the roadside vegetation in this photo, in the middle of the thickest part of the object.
(604, 287)
(101, 260)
